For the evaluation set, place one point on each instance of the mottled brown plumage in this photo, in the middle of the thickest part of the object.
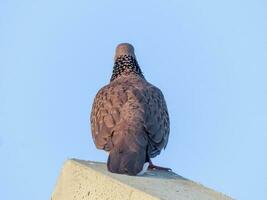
(129, 117)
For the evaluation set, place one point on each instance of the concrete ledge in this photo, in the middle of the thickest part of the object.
(82, 180)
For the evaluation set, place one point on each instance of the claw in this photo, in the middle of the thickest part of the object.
(155, 167)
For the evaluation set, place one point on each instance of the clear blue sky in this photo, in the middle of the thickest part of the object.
(208, 57)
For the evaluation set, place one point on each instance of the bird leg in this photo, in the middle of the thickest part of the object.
(151, 166)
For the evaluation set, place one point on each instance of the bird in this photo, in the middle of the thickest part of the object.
(129, 117)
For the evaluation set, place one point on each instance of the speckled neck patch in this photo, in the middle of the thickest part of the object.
(125, 65)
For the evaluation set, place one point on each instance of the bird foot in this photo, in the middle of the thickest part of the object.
(151, 166)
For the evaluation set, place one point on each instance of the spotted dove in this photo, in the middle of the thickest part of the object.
(129, 117)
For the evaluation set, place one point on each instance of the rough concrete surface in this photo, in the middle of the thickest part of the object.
(84, 180)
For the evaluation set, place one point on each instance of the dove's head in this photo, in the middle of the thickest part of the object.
(124, 49)
(125, 62)
(127, 157)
